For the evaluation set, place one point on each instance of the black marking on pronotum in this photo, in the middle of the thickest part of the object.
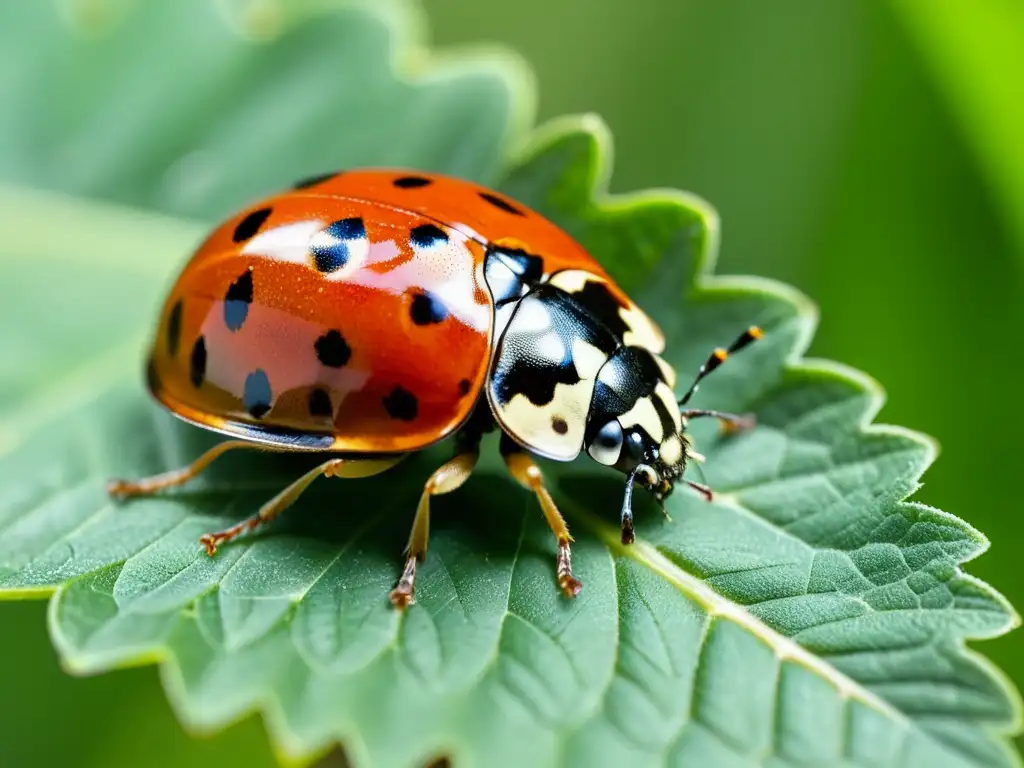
(312, 181)
(174, 328)
(535, 382)
(330, 247)
(401, 404)
(560, 425)
(250, 225)
(197, 363)
(502, 204)
(426, 235)
(602, 304)
(411, 182)
(332, 350)
(256, 394)
(320, 405)
(427, 309)
(520, 371)
(237, 301)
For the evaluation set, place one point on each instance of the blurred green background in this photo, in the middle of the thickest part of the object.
(867, 153)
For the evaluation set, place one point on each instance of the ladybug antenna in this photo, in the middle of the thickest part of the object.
(719, 356)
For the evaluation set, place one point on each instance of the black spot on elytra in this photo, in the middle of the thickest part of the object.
(348, 229)
(256, 395)
(427, 309)
(411, 182)
(320, 405)
(504, 205)
(332, 350)
(197, 363)
(312, 181)
(174, 328)
(599, 302)
(250, 225)
(401, 404)
(237, 301)
(330, 258)
(329, 246)
(559, 425)
(464, 386)
(426, 235)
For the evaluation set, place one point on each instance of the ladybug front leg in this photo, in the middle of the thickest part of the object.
(447, 478)
(528, 475)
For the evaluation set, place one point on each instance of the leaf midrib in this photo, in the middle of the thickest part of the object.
(719, 606)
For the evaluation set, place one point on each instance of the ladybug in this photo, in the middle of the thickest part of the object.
(369, 314)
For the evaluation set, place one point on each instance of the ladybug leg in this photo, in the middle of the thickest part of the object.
(703, 490)
(350, 468)
(731, 422)
(528, 475)
(445, 479)
(149, 485)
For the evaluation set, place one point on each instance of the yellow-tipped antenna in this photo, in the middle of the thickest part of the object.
(719, 356)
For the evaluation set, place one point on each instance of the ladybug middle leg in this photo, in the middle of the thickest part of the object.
(149, 485)
(448, 477)
(528, 475)
(348, 468)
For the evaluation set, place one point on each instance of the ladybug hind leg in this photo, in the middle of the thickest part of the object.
(149, 485)
(528, 474)
(350, 468)
(447, 478)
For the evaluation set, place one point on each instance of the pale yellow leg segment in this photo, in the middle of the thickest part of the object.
(350, 468)
(446, 479)
(149, 485)
(528, 475)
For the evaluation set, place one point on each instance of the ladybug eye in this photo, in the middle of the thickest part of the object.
(607, 444)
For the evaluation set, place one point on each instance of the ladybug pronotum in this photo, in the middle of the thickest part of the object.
(372, 313)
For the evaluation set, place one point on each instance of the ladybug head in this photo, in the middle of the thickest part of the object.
(650, 463)
(627, 441)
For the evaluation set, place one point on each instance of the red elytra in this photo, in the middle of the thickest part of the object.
(374, 323)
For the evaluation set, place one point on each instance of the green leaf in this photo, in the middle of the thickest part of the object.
(92, 108)
(810, 615)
